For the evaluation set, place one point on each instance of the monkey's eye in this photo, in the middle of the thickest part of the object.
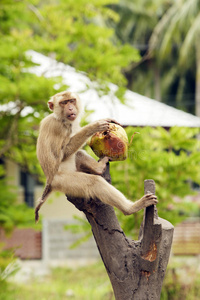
(64, 102)
(72, 101)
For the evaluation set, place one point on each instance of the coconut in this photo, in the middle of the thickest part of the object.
(112, 143)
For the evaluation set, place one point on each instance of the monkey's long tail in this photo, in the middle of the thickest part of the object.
(41, 200)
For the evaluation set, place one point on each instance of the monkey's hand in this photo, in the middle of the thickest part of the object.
(147, 200)
(115, 122)
(100, 125)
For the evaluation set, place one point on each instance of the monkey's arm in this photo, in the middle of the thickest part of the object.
(49, 146)
(78, 140)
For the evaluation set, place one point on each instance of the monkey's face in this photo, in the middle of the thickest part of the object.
(65, 105)
(69, 108)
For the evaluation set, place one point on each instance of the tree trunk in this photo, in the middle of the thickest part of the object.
(136, 268)
(157, 85)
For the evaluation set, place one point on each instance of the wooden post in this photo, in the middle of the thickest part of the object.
(136, 268)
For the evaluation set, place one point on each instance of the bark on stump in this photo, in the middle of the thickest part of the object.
(136, 268)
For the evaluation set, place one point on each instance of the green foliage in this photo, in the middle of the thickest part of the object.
(23, 95)
(166, 34)
(8, 265)
(11, 213)
(17, 215)
(73, 32)
(170, 157)
(91, 282)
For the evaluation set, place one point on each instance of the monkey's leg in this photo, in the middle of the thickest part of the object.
(86, 163)
(78, 184)
(110, 195)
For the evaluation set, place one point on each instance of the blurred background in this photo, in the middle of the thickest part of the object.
(135, 61)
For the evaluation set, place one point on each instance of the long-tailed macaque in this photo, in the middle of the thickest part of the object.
(71, 170)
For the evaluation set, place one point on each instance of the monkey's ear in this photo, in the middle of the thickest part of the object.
(50, 104)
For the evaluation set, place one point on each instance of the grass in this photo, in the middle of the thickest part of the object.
(87, 283)
(182, 282)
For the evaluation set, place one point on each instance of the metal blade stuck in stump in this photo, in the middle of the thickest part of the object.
(136, 268)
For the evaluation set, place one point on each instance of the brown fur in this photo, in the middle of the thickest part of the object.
(64, 165)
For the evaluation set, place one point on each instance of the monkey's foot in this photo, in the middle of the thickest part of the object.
(102, 165)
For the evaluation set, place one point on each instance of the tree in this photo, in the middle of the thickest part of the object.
(67, 30)
(70, 32)
(23, 94)
(179, 27)
(135, 26)
(144, 24)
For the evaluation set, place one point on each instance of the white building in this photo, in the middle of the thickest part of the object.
(138, 110)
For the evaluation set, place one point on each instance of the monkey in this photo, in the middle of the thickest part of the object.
(67, 167)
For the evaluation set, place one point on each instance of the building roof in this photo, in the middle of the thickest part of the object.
(138, 110)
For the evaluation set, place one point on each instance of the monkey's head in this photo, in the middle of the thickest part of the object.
(65, 105)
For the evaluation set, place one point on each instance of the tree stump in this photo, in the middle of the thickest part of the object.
(136, 268)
